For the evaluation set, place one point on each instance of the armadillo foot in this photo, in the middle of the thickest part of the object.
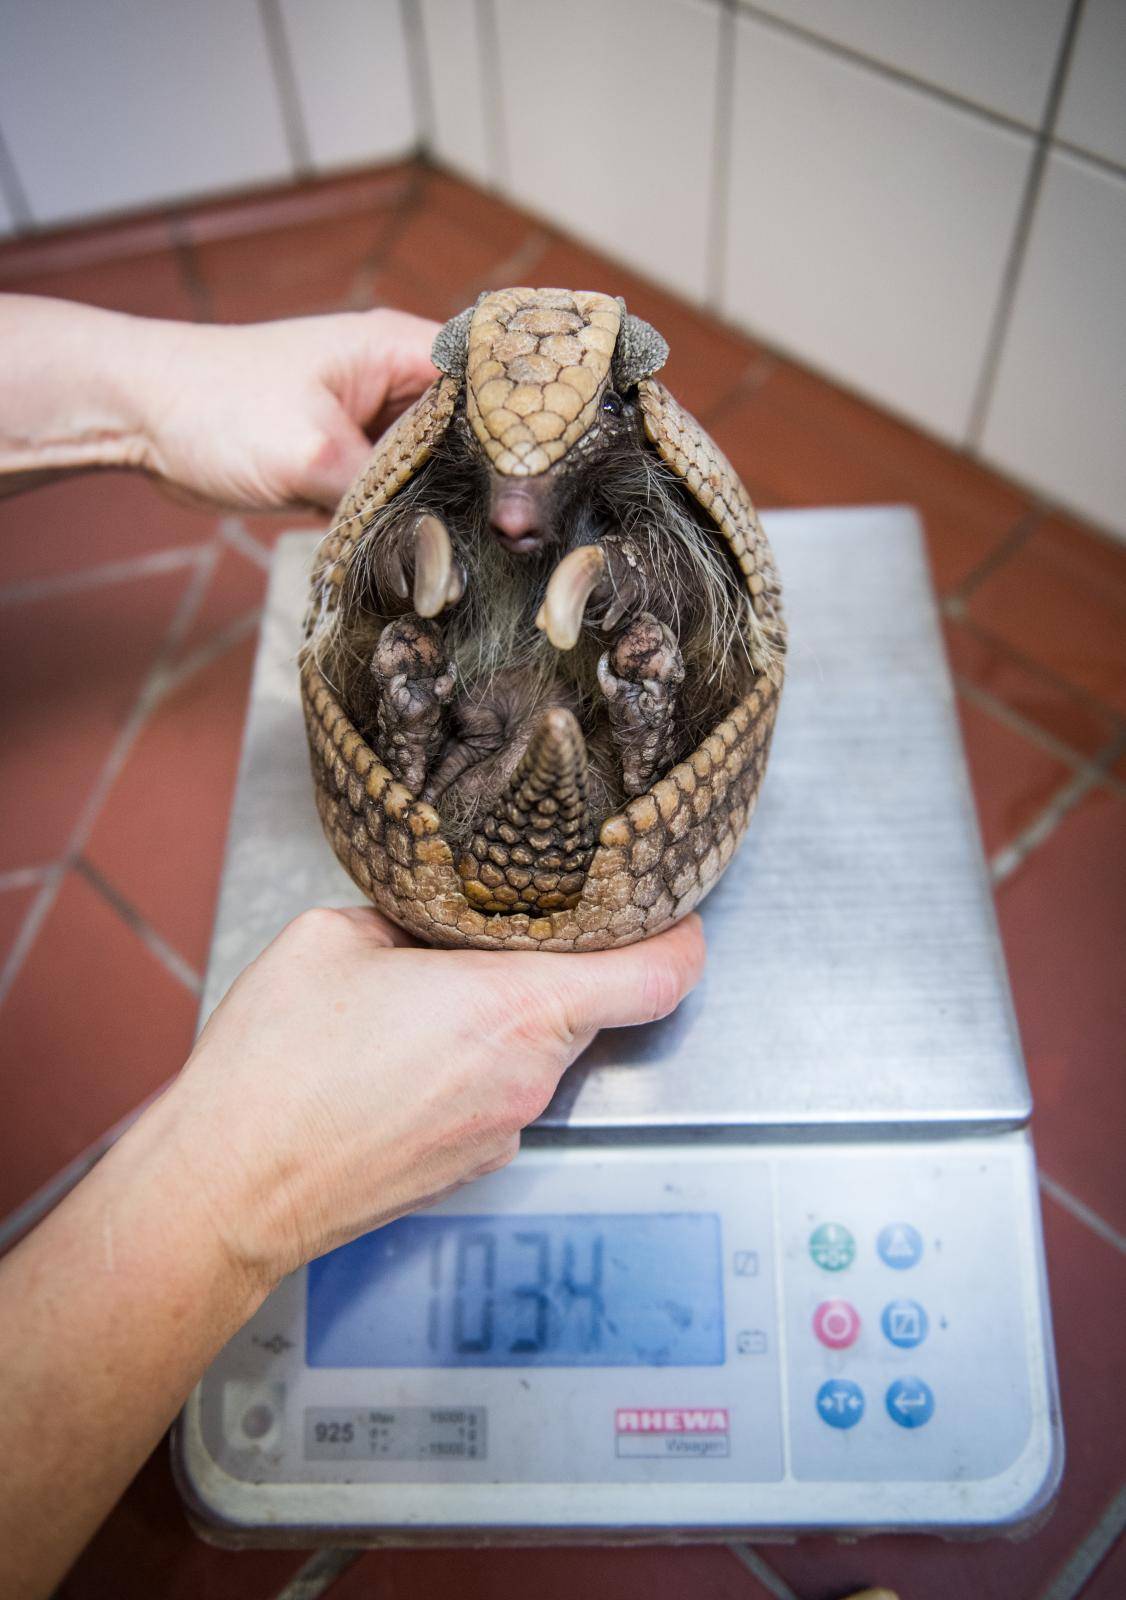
(414, 684)
(418, 565)
(601, 583)
(640, 676)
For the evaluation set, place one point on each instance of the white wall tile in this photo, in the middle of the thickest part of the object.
(459, 132)
(7, 221)
(116, 103)
(998, 53)
(609, 118)
(1093, 114)
(1058, 417)
(868, 224)
(353, 79)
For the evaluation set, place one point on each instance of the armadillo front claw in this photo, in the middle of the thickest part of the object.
(424, 550)
(568, 590)
(640, 677)
(414, 685)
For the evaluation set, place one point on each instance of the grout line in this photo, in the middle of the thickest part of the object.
(1022, 232)
(318, 1574)
(418, 73)
(1082, 1212)
(761, 1569)
(285, 84)
(496, 126)
(1089, 1553)
(146, 566)
(1016, 722)
(1003, 551)
(23, 878)
(154, 942)
(47, 1196)
(187, 262)
(111, 768)
(234, 532)
(216, 645)
(1006, 861)
(722, 134)
(884, 69)
(13, 190)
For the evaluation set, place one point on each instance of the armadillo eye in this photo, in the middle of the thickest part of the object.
(612, 403)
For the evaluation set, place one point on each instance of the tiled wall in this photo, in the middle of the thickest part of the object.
(924, 200)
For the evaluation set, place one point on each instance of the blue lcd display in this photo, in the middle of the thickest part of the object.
(522, 1291)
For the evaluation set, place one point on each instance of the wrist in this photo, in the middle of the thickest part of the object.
(76, 402)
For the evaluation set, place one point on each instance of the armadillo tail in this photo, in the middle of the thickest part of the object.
(531, 852)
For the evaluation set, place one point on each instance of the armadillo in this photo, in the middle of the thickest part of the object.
(545, 645)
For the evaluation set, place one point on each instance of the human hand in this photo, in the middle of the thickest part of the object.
(276, 414)
(263, 417)
(350, 1076)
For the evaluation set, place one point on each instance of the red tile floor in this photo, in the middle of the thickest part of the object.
(116, 770)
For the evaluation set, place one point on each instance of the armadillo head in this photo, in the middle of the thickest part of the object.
(538, 366)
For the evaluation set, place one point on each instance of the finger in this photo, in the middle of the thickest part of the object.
(341, 456)
(380, 929)
(639, 983)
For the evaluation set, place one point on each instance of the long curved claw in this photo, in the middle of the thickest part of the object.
(433, 566)
(568, 590)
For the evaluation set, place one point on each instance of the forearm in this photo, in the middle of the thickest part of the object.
(108, 1314)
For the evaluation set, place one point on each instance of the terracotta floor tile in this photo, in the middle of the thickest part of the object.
(1108, 1582)
(1034, 693)
(85, 245)
(1013, 780)
(661, 1572)
(454, 259)
(292, 271)
(72, 667)
(145, 286)
(477, 211)
(88, 521)
(147, 1551)
(1061, 600)
(93, 1024)
(1088, 1280)
(160, 837)
(14, 906)
(797, 440)
(298, 205)
(706, 361)
(269, 527)
(237, 586)
(1063, 921)
(404, 290)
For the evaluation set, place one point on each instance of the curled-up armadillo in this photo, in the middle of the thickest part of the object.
(545, 646)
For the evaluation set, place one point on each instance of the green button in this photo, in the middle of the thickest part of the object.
(832, 1246)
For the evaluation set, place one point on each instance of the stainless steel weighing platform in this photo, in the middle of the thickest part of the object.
(772, 1266)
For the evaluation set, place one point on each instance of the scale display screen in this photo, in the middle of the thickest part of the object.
(522, 1291)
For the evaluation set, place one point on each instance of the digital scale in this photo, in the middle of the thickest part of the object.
(770, 1267)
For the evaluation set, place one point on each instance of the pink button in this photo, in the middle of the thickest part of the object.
(836, 1324)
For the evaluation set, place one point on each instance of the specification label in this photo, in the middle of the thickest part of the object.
(398, 1433)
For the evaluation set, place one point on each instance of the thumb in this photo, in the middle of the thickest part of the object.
(639, 983)
(343, 451)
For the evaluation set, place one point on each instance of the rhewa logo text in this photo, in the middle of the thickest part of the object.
(672, 1420)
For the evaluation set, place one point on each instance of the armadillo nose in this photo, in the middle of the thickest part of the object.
(516, 517)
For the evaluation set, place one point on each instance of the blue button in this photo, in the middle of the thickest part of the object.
(900, 1245)
(904, 1323)
(910, 1402)
(840, 1403)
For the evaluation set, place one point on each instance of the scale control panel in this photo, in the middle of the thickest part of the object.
(780, 1336)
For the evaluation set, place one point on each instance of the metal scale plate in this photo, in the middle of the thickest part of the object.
(824, 1153)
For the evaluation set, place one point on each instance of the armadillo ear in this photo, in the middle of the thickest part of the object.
(640, 351)
(451, 344)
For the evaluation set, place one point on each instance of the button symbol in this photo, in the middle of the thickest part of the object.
(746, 1263)
(840, 1402)
(832, 1246)
(836, 1324)
(904, 1323)
(910, 1402)
(750, 1342)
(900, 1245)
